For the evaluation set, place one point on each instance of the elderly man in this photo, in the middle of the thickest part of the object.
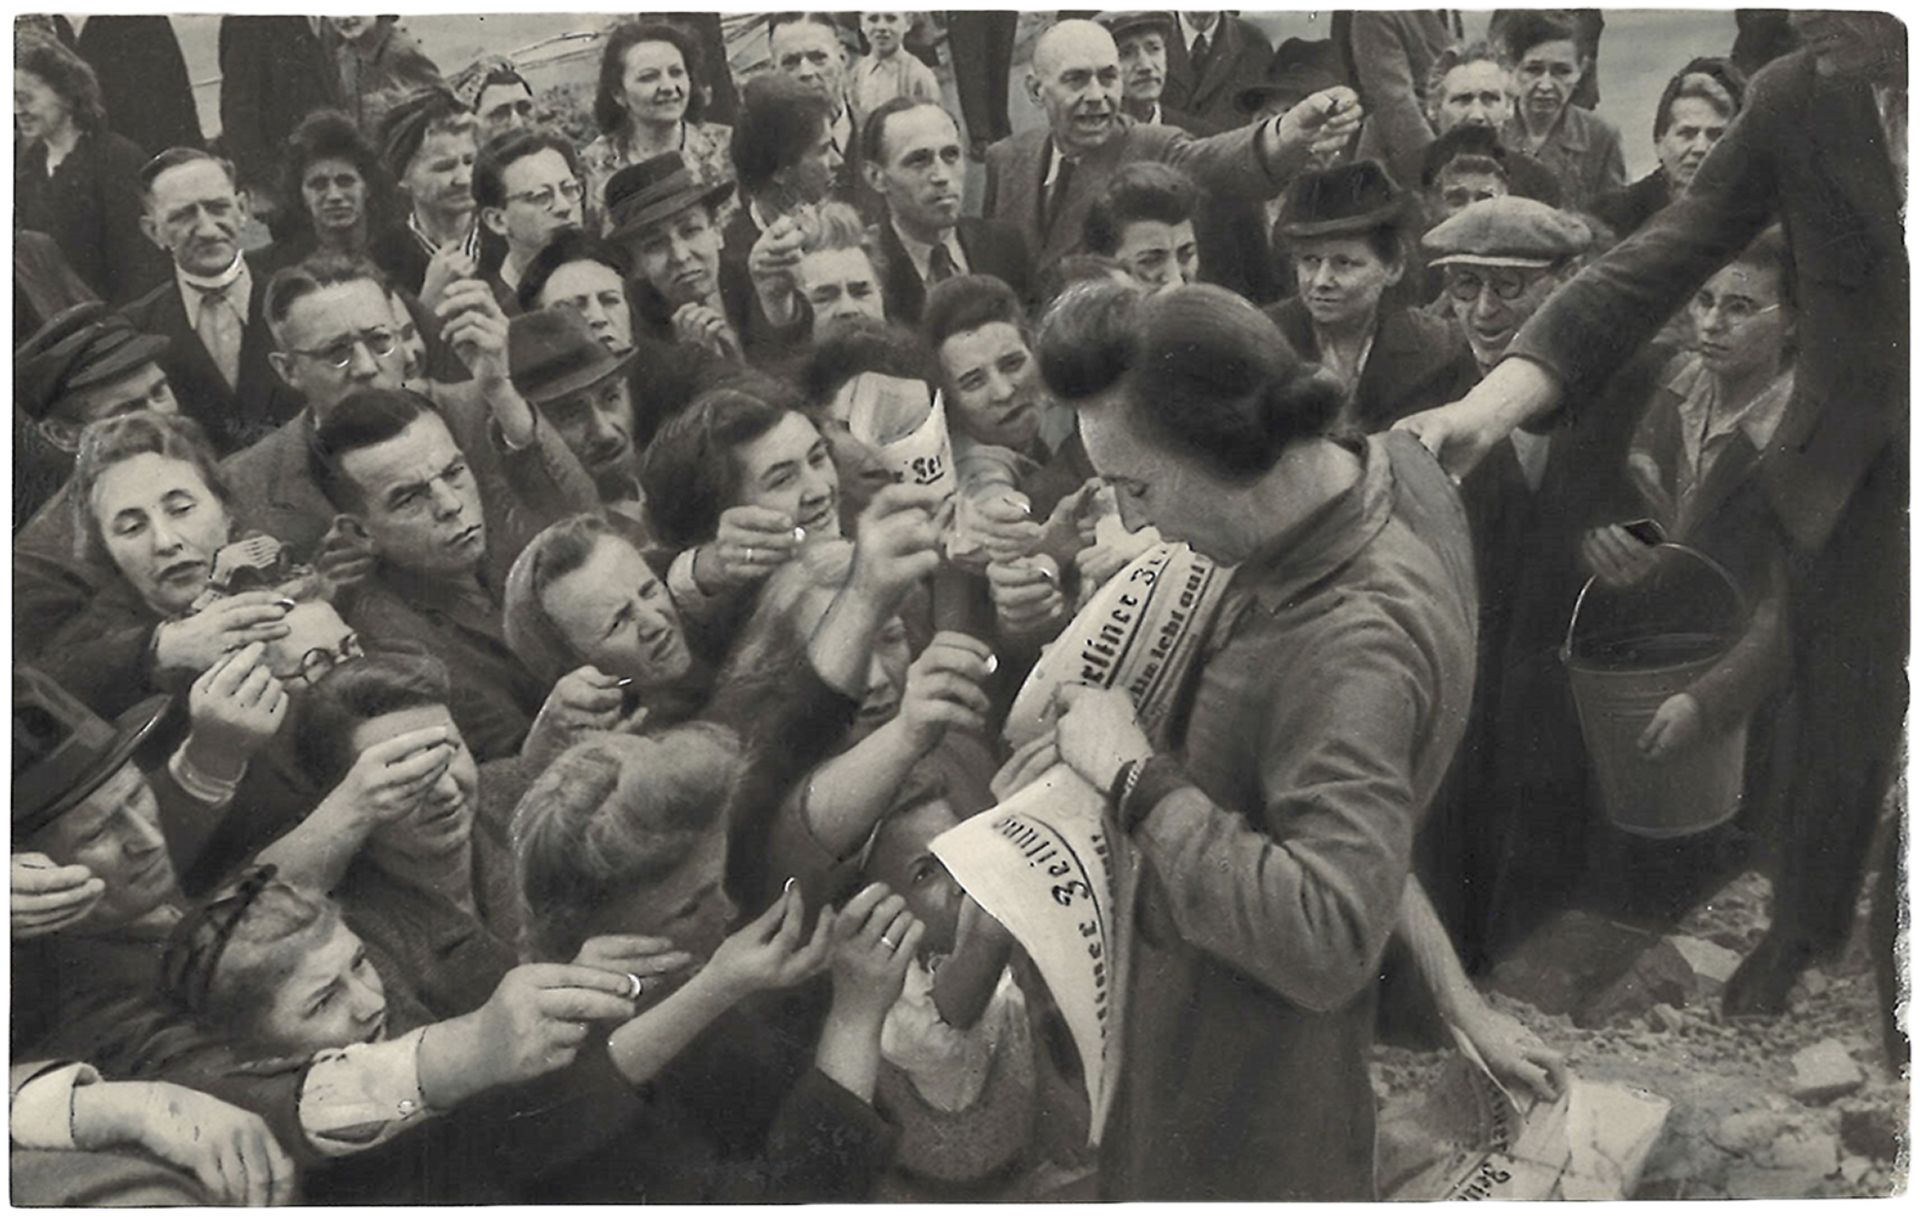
(1142, 39)
(914, 162)
(808, 48)
(209, 311)
(1044, 180)
(1820, 145)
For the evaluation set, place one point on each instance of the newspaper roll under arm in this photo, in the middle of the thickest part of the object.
(1044, 866)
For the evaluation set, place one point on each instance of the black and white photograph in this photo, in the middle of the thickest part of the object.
(990, 606)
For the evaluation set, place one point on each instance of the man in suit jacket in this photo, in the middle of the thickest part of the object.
(1043, 181)
(1391, 57)
(209, 310)
(915, 164)
(273, 73)
(1819, 145)
(1143, 38)
(1210, 58)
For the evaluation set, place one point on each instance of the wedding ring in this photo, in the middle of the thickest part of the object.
(891, 944)
(639, 987)
(749, 555)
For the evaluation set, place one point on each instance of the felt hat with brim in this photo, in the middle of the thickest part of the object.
(656, 189)
(1124, 22)
(1299, 69)
(1507, 231)
(552, 354)
(78, 348)
(63, 751)
(1343, 200)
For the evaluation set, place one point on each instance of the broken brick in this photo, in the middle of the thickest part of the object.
(1824, 1072)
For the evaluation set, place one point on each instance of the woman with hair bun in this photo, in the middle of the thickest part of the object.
(1329, 694)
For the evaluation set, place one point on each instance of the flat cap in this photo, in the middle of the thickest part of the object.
(1509, 231)
(1119, 22)
(78, 348)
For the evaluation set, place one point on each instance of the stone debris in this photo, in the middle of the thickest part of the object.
(1874, 1132)
(1712, 964)
(1824, 1072)
(1665, 1018)
(1660, 975)
(1804, 1150)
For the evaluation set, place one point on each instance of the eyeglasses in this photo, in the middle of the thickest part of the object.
(1466, 286)
(339, 355)
(571, 190)
(320, 661)
(1735, 310)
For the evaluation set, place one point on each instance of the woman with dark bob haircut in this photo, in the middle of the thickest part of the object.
(653, 92)
(1277, 837)
(74, 179)
(336, 189)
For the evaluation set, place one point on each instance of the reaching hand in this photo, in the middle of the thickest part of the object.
(634, 955)
(1462, 433)
(448, 266)
(1515, 1055)
(899, 536)
(1677, 726)
(45, 897)
(236, 708)
(533, 1024)
(1617, 557)
(585, 699)
(196, 643)
(772, 263)
(1005, 525)
(751, 544)
(473, 325)
(768, 952)
(701, 325)
(1026, 595)
(1098, 732)
(875, 937)
(230, 1151)
(1325, 121)
(943, 688)
(1025, 767)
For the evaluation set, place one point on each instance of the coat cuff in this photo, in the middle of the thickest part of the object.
(42, 1113)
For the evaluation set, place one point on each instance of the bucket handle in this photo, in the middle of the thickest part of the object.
(1580, 601)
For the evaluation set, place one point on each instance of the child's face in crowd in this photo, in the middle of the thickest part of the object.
(811, 54)
(884, 31)
(790, 470)
(655, 85)
(903, 860)
(419, 501)
(886, 675)
(924, 173)
(161, 525)
(1159, 255)
(526, 222)
(596, 292)
(38, 111)
(1697, 125)
(1739, 322)
(195, 214)
(1474, 94)
(1545, 78)
(842, 287)
(1143, 66)
(440, 176)
(1342, 278)
(680, 256)
(994, 390)
(115, 833)
(351, 318)
(615, 614)
(334, 996)
(335, 195)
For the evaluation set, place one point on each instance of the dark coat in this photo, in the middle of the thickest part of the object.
(1628, 209)
(1808, 151)
(143, 79)
(236, 416)
(991, 246)
(1237, 59)
(1390, 56)
(91, 207)
(273, 73)
(1417, 362)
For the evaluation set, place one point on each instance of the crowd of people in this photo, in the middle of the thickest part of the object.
(486, 687)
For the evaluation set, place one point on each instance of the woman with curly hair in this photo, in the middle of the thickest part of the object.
(652, 95)
(74, 179)
(341, 188)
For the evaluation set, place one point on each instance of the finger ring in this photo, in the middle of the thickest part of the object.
(749, 555)
(891, 944)
(639, 987)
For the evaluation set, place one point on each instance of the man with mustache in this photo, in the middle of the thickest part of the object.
(1142, 40)
(915, 163)
(1043, 181)
(210, 309)
(1820, 146)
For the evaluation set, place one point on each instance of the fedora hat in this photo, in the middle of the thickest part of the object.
(1345, 199)
(1121, 22)
(552, 354)
(653, 190)
(78, 348)
(62, 751)
(1299, 69)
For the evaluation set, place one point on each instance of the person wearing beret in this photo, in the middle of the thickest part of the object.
(1820, 146)
(1347, 232)
(1510, 842)
(85, 365)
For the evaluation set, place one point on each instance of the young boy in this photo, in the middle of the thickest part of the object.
(886, 71)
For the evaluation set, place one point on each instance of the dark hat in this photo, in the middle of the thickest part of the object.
(1341, 200)
(404, 128)
(1118, 23)
(1299, 68)
(62, 751)
(653, 190)
(1508, 231)
(552, 354)
(78, 348)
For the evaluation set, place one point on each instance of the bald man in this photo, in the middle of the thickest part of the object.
(1043, 181)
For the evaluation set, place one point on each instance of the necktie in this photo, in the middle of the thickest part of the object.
(1200, 48)
(940, 265)
(1057, 197)
(219, 328)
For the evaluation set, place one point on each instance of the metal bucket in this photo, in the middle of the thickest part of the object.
(1617, 694)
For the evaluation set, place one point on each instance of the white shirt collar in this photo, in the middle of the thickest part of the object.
(920, 253)
(1189, 31)
(237, 278)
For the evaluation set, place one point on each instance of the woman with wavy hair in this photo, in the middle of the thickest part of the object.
(650, 100)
